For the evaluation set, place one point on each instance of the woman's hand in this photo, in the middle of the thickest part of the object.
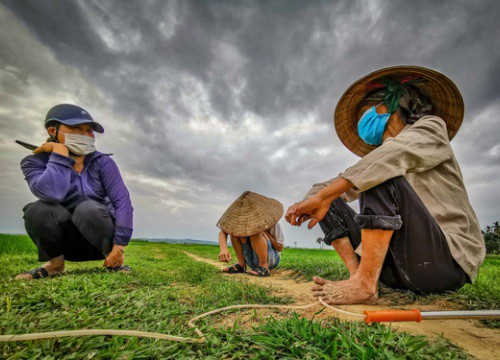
(49, 147)
(224, 256)
(116, 257)
(317, 206)
(314, 208)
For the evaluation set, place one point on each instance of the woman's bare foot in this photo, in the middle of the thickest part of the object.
(53, 267)
(352, 291)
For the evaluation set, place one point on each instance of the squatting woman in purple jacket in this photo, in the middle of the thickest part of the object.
(84, 210)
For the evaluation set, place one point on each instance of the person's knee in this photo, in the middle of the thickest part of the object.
(43, 211)
(237, 239)
(333, 225)
(91, 214)
(380, 204)
(259, 237)
(89, 209)
(385, 191)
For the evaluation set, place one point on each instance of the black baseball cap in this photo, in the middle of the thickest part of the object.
(71, 115)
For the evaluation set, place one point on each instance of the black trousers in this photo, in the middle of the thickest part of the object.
(418, 257)
(86, 233)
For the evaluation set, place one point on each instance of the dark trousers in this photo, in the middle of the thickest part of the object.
(86, 233)
(418, 257)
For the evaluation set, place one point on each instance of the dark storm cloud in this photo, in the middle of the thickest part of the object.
(290, 51)
(206, 99)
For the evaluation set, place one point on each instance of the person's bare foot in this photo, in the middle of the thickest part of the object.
(53, 267)
(352, 291)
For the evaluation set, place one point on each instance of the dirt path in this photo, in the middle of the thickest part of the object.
(479, 341)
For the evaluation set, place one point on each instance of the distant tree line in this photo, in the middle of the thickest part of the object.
(491, 235)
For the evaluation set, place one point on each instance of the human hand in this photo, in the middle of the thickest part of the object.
(314, 208)
(116, 257)
(49, 147)
(224, 256)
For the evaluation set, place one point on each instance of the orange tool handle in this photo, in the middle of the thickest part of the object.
(392, 316)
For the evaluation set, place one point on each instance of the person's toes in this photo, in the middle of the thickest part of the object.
(23, 277)
(319, 281)
(318, 293)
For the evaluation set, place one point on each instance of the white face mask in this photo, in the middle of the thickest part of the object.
(79, 145)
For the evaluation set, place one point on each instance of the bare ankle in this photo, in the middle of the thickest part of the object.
(352, 267)
(55, 264)
(365, 284)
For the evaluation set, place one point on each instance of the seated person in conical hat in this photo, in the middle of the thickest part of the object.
(257, 239)
(416, 229)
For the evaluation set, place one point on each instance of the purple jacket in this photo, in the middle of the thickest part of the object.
(51, 178)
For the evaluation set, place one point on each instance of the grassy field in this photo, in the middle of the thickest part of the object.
(165, 290)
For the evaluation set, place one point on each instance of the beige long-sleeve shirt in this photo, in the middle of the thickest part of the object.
(423, 155)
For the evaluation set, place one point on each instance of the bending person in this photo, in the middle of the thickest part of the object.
(256, 236)
(84, 210)
(416, 229)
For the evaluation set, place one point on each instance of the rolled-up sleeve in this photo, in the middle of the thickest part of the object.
(49, 181)
(120, 198)
(421, 147)
(348, 196)
(316, 188)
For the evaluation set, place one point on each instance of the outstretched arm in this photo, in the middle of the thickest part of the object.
(224, 254)
(120, 198)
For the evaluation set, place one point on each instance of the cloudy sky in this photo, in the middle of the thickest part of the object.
(203, 100)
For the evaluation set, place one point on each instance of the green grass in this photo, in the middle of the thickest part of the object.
(483, 294)
(335, 340)
(165, 290)
(16, 244)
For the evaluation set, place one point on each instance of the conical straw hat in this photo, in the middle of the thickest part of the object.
(250, 214)
(445, 97)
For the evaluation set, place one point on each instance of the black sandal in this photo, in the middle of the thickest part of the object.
(38, 273)
(261, 271)
(235, 269)
(123, 268)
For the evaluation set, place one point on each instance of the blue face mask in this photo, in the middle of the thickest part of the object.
(371, 126)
